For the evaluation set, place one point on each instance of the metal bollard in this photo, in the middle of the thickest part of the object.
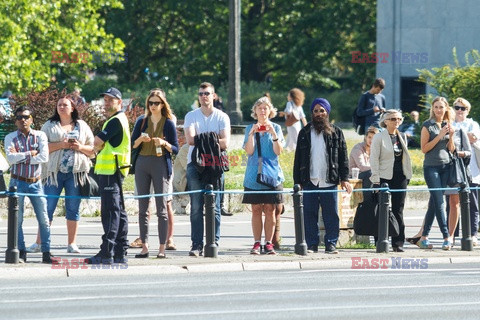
(211, 249)
(467, 242)
(12, 253)
(383, 206)
(300, 245)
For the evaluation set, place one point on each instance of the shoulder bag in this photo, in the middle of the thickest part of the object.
(267, 173)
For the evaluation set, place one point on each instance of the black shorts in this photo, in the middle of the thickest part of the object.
(259, 198)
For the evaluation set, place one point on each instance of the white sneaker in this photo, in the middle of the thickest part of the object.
(72, 248)
(475, 241)
(34, 248)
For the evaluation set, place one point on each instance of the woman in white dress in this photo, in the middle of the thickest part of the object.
(294, 109)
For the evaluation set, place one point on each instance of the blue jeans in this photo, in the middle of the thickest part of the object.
(194, 182)
(436, 177)
(72, 206)
(311, 204)
(39, 207)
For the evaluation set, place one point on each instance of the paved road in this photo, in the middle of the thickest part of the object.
(440, 292)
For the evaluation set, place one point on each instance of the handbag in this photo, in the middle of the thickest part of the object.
(456, 171)
(90, 186)
(135, 152)
(267, 172)
(366, 218)
(291, 119)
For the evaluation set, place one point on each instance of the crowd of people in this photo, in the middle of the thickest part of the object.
(59, 158)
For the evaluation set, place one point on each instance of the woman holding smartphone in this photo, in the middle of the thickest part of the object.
(70, 146)
(156, 136)
(436, 142)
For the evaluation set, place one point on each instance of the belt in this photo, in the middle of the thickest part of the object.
(27, 180)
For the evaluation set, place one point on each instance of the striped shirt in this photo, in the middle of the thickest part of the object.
(18, 149)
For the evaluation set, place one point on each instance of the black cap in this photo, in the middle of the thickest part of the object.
(113, 92)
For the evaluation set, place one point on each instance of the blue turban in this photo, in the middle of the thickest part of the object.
(323, 102)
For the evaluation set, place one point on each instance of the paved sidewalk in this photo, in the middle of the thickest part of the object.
(233, 254)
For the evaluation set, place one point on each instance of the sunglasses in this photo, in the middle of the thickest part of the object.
(154, 103)
(204, 94)
(395, 119)
(22, 117)
(319, 111)
(460, 108)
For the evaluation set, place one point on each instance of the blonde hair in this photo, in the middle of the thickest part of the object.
(166, 110)
(449, 113)
(264, 100)
(386, 115)
(464, 102)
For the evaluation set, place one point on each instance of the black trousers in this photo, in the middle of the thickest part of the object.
(398, 181)
(114, 218)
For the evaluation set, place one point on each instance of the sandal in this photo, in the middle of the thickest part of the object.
(161, 256)
(137, 243)
(170, 245)
(413, 240)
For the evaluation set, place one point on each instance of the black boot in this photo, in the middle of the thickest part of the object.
(23, 255)
(48, 258)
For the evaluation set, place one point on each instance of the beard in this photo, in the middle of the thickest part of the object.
(321, 124)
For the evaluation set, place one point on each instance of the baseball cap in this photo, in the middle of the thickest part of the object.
(113, 92)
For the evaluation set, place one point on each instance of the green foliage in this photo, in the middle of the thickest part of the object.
(32, 29)
(453, 81)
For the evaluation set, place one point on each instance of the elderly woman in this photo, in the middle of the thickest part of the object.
(390, 163)
(360, 157)
(156, 136)
(436, 143)
(268, 137)
(468, 134)
(70, 146)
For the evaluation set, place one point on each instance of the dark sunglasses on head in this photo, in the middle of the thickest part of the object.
(154, 103)
(22, 117)
(319, 111)
(204, 93)
(460, 108)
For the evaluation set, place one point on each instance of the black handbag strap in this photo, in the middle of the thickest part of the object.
(257, 139)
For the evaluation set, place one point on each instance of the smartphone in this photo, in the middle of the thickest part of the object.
(71, 140)
(262, 128)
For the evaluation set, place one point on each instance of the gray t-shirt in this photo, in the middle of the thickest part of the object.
(439, 154)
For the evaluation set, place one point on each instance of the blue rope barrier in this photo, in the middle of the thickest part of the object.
(238, 192)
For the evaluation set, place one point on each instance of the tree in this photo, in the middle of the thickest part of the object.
(453, 81)
(42, 39)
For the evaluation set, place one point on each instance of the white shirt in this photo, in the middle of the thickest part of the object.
(215, 122)
(318, 160)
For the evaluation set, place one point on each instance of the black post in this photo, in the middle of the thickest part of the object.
(383, 206)
(300, 245)
(211, 248)
(467, 242)
(12, 253)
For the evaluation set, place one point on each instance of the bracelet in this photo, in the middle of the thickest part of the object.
(275, 140)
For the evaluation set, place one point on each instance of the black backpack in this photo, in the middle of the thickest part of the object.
(358, 122)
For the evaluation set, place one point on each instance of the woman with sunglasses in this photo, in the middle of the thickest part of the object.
(468, 134)
(156, 136)
(70, 146)
(390, 163)
(436, 143)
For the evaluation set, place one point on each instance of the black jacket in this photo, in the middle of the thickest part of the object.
(337, 156)
(207, 157)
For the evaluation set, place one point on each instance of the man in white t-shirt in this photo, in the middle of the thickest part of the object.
(201, 120)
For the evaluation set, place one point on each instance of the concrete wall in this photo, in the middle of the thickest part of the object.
(431, 27)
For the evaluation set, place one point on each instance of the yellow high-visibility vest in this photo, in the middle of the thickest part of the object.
(106, 158)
